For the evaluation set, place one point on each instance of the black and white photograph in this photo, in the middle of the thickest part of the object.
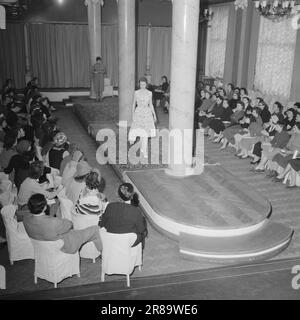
(149, 154)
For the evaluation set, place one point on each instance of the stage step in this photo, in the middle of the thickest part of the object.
(261, 244)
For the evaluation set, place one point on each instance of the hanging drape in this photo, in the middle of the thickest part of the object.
(142, 34)
(201, 49)
(160, 55)
(275, 57)
(60, 58)
(110, 52)
(216, 43)
(161, 44)
(12, 55)
(60, 55)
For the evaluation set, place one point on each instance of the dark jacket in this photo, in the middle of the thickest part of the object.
(124, 218)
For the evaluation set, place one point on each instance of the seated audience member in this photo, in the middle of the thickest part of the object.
(206, 107)
(235, 126)
(222, 92)
(70, 168)
(72, 148)
(234, 100)
(59, 151)
(218, 125)
(243, 93)
(37, 119)
(289, 119)
(277, 110)
(159, 92)
(265, 113)
(213, 89)
(40, 226)
(6, 100)
(91, 199)
(247, 105)
(125, 217)
(12, 115)
(47, 132)
(229, 90)
(77, 183)
(165, 100)
(31, 185)
(297, 107)
(3, 127)
(281, 160)
(8, 86)
(292, 170)
(254, 135)
(46, 106)
(270, 149)
(215, 112)
(267, 134)
(9, 149)
(20, 162)
(200, 100)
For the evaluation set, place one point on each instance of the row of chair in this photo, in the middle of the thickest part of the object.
(53, 265)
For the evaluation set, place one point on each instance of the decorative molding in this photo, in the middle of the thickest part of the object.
(88, 2)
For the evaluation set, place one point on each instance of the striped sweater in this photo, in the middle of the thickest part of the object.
(90, 202)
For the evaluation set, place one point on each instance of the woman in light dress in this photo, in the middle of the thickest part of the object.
(144, 117)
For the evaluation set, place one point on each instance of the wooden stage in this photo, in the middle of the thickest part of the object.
(213, 216)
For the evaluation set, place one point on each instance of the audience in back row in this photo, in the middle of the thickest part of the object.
(267, 135)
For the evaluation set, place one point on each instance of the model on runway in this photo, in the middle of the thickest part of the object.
(144, 117)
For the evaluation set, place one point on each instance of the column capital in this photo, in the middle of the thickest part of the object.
(89, 2)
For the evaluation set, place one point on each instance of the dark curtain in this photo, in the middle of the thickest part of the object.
(202, 37)
(12, 54)
(60, 55)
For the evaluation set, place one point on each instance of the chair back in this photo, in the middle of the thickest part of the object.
(66, 206)
(51, 263)
(118, 256)
(18, 242)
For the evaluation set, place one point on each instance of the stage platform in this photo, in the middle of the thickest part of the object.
(214, 216)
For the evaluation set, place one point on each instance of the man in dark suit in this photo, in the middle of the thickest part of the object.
(41, 227)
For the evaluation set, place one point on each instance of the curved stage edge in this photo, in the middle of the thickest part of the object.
(261, 240)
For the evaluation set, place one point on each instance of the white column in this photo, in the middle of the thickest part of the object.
(147, 74)
(126, 21)
(94, 22)
(183, 81)
(28, 74)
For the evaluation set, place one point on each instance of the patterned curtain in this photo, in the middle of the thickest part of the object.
(275, 57)
(216, 44)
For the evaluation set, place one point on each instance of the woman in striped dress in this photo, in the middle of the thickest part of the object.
(91, 199)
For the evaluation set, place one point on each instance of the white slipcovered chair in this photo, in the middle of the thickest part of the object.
(118, 257)
(88, 250)
(2, 278)
(66, 206)
(18, 242)
(51, 263)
